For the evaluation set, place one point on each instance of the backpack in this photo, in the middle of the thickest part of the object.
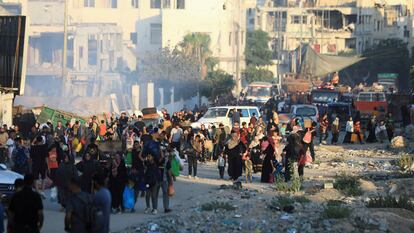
(94, 219)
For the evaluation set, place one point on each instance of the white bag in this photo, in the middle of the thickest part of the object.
(53, 194)
(177, 157)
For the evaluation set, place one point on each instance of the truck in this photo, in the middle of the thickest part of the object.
(260, 92)
(52, 115)
(371, 103)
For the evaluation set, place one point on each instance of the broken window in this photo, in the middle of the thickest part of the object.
(155, 4)
(180, 4)
(89, 3)
(156, 33)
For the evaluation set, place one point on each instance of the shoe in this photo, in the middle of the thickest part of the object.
(195, 177)
(154, 212)
(167, 211)
(189, 176)
(147, 210)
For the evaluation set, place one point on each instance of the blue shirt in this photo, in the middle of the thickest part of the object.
(102, 199)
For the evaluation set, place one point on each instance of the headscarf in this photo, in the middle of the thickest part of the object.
(115, 164)
(234, 141)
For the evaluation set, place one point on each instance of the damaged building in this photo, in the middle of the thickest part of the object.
(331, 27)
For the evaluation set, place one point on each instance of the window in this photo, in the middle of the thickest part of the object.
(295, 19)
(166, 4)
(92, 50)
(113, 3)
(155, 4)
(244, 113)
(253, 111)
(229, 38)
(133, 37)
(156, 33)
(135, 3)
(89, 3)
(180, 4)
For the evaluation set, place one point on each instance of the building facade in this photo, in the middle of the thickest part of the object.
(164, 23)
(331, 27)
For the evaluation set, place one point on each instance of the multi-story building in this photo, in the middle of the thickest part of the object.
(331, 27)
(164, 23)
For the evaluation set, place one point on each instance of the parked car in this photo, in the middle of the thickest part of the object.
(302, 111)
(217, 115)
(7, 179)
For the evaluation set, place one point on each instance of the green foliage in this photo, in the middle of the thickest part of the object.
(196, 45)
(257, 49)
(388, 201)
(215, 205)
(216, 83)
(349, 185)
(301, 199)
(405, 161)
(211, 63)
(336, 212)
(292, 186)
(255, 74)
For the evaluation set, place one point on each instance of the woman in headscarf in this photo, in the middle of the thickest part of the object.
(117, 180)
(234, 150)
(270, 148)
(335, 131)
(291, 153)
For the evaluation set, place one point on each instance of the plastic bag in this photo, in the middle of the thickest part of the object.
(128, 198)
(53, 194)
(175, 167)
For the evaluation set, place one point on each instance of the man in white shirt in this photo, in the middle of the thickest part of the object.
(175, 138)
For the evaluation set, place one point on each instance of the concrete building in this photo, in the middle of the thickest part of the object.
(164, 23)
(331, 27)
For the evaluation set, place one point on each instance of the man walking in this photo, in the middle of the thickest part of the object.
(76, 219)
(26, 209)
(102, 200)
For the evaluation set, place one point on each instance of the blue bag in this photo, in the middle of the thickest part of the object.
(128, 198)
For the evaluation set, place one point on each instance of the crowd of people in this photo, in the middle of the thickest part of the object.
(89, 182)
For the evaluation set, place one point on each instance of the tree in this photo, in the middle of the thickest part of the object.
(256, 74)
(257, 49)
(197, 45)
(217, 82)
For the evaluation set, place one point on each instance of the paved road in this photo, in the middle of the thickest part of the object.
(185, 189)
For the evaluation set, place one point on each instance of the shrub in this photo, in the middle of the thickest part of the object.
(388, 201)
(336, 212)
(215, 205)
(349, 185)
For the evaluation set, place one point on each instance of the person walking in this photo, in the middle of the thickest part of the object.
(349, 129)
(176, 135)
(234, 150)
(20, 157)
(102, 200)
(335, 131)
(88, 167)
(166, 178)
(152, 174)
(194, 155)
(117, 181)
(65, 172)
(323, 128)
(26, 209)
(39, 154)
(357, 130)
(76, 217)
(221, 163)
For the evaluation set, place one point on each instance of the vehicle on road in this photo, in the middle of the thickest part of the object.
(261, 92)
(7, 179)
(371, 103)
(303, 111)
(223, 114)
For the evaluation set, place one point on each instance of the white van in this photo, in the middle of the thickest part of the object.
(217, 115)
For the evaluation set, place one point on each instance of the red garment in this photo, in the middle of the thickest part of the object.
(243, 135)
(357, 127)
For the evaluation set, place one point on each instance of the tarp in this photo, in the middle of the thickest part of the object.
(320, 65)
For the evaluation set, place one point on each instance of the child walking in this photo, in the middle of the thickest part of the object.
(221, 163)
(248, 164)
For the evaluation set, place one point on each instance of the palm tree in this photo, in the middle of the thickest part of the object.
(197, 46)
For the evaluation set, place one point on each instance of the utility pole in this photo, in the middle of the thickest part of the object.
(65, 48)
